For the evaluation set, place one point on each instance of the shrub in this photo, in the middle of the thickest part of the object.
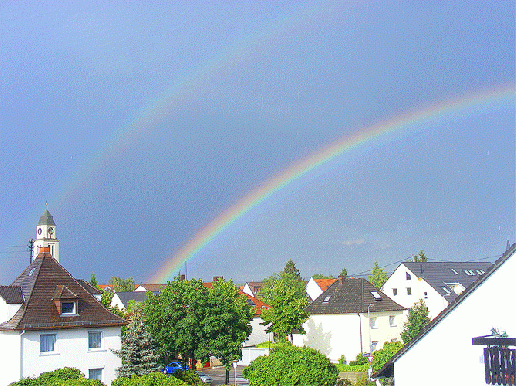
(360, 359)
(189, 377)
(342, 360)
(353, 368)
(290, 365)
(382, 356)
(152, 379)
(61, 377)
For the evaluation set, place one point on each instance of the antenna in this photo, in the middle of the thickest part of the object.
(30, 247)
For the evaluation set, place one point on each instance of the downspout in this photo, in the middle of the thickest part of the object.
(360, 327)
(21, 354)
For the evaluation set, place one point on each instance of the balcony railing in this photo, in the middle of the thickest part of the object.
(499, 361)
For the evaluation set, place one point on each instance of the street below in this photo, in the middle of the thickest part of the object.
(218, 375)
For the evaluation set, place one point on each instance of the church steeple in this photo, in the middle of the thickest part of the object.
(46, 236)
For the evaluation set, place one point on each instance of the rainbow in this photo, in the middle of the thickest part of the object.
(401, 124)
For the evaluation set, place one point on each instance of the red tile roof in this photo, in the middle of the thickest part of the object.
(324, 283)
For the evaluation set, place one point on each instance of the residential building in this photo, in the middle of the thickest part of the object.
(315, 287)
(445, 351)
(437, 283)
(252, 288)
(50, 321)
(349, 318)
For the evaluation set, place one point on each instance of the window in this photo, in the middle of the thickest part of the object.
(376, 295)
(94, 339)
(454, 271)
(392, 321)
(327, 299)
(95, 374)
(425, 294)
(394, 291)
(68, 308)
(47, 342)
(373, 345)
(409, 291)
(372, 323)
(407, 275)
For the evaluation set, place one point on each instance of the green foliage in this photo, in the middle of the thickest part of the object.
(93, 281)
(360, 359)
(321, 276)
(290, 268)
(106, 297)
(290, 365)
(342, 360)
(189, 377)
(420, 257)
(378, 276)
(61, 377)
(352, 368)
(343, 382)
(286, 295)
(152, 379)
(363, 380)
(137, 352)
(381, 357)
(121, 285)
(343, 273)
(417, 319)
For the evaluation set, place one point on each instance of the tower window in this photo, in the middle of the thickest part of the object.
(408, 276)
(409, 291)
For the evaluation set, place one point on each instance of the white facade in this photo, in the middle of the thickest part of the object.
(7, 311)
(21, 357)
(405, 288)
(258, 333)
(312, 289)
(445, 355)
(350, 334)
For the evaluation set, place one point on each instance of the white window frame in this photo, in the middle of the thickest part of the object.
(96, 332)
(100, 370)
(373, 323)
(43, 350)
(74, 311)
(392, 321)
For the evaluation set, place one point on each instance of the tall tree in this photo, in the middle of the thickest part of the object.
(226, 324)
(291, 269)
(286, 295)
(93, 281)
(420, 257)
(343, 273)
(378, 276)
(417, 319)
(121, 285)
(321, 276)
(137, 352)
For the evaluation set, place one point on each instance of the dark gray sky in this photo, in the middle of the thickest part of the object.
(140, 123)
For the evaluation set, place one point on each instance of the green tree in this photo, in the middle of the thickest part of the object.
(291, 269)
(121, 285)
(321, 276)
(378, 276)
(174, 318)
(226, 324)
(93, 281)
(420, 257)
(286, 295)
(137, 352)
(290, 365)
(417, 319)
(343, 273)
(382, 356)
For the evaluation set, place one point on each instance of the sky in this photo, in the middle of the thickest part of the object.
(141, 125)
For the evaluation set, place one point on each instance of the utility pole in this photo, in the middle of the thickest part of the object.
(30, 247)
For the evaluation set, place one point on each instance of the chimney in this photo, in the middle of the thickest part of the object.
(341, 279)
(182, 277)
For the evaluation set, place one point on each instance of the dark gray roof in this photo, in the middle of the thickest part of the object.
(11, 294)
(137, 296)
(46, 219)
(443, 275)
(388, 369)
(352, 295)
(88, 287)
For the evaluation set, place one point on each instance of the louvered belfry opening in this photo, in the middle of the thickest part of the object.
(499, 360)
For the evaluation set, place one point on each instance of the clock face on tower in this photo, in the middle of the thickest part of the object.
(50, 231)
(39, 231)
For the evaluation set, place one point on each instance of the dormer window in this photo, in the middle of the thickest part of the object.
(408, 276)
(65, 301)
(68, 308)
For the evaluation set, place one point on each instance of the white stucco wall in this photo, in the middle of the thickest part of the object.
(313, 290)
(9, 357)
(433, 300)
(71, 350)
(258, 334)
(445, 356)
(7, 311)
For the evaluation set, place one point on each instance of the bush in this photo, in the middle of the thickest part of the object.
(290, 365)
(382, 356)
(361, 359)
(61, 377)
(342, 360)
(353, 368)
(189, 377)
(152, 379)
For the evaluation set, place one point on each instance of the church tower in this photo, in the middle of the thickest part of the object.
(46, 236)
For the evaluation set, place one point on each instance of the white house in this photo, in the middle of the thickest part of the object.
(315, 287)
(443, 353)
(349, 318)
(49, 321)
(437, 283)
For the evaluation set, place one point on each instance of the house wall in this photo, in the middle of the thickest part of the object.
(71, 350)
(258, 334)
(383, 331)
(433, 300)
(445, 356)
(9, 357)
(312, 289)
(7, 311)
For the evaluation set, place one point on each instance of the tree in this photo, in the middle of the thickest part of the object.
(121, 285)
(93, 281)
(417, 319)
(420, 257)
(378, 276)
(382, 356)
(343, 273)
(321, 276)
(137, 352)
(291, 269)
(226, 323)
(290, 365)
(286, 295)
(174, 318)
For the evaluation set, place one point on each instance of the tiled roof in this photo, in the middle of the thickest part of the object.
(88, 287)
(388, 368)
(152, 287)
(256, 303)
(441, 275)
(39, 283)
(137, 296)
(352, 295)
(324, 283)
(46, 219)
(11, 294)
